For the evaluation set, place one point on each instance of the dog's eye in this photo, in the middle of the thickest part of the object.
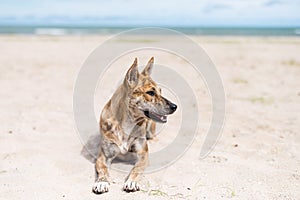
(151, 93)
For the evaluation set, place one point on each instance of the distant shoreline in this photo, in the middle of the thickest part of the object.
(98, 30)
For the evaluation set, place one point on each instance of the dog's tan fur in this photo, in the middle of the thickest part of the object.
(127, 121)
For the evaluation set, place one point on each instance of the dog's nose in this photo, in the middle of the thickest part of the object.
(173, 106)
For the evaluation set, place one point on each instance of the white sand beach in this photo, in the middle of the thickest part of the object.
(256, 157)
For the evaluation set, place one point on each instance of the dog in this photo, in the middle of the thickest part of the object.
(127, 121)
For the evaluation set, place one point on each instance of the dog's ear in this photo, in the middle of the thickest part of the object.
(148, 69)
(132, 75)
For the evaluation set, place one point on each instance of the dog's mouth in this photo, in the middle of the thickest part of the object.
(156, 117)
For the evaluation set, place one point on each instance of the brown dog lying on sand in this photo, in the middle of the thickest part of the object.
(126, 122)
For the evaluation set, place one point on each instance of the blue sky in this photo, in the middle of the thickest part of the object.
(151, 12)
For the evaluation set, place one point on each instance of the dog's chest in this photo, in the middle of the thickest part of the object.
(127, 128)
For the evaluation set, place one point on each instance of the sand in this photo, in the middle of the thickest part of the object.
(256, 157)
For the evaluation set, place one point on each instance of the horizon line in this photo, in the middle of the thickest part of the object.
(84, 25)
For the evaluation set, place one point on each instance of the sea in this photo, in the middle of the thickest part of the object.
(99, 30)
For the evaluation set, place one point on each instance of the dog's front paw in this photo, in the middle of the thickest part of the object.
(131, 186)
(100, 187)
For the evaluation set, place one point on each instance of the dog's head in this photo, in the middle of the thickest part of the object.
(145, 96)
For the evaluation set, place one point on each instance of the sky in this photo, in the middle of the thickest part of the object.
(265, 13)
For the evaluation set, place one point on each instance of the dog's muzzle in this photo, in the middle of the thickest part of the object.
(158, 117)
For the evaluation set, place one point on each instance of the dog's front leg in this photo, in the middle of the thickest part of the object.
(101, 184)
(150, 130)
(107, 153)
(141, 148)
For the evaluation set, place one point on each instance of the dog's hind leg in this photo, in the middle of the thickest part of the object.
(141, 148)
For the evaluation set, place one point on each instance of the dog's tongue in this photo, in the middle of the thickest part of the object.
(163, 118)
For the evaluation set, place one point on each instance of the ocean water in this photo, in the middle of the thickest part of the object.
(84, 30)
